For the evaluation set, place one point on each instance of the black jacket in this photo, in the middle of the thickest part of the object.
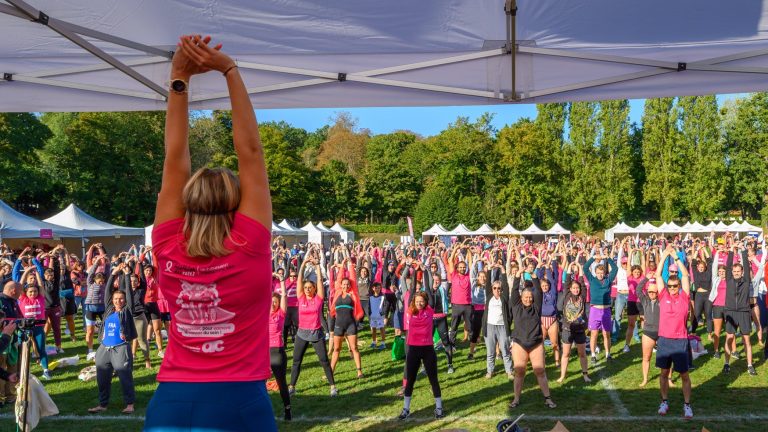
(126, 315)
(738, 291)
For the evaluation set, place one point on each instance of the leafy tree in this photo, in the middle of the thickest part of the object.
(584, 173)
(435, 205)
(338, 192)
(616, 198)
(23, 185)
(663, 162)
(346, 144)
(470, 211)
(289, 180)
(702, 145)
(747, 156)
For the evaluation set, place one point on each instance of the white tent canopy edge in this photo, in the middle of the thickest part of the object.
(399, 53)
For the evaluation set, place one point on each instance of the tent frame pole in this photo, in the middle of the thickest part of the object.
(510, 9)
(40, 17)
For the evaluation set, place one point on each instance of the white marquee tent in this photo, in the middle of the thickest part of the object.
(92, 230)
(108, 55)
(533, 230)
(317, 235)
(509, 230)
(346, 235)
(460, 231)
(557, 230)
(484, 230)
(16, 227)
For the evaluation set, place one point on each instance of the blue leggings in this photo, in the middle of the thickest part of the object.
(210, 407)
(39, 339)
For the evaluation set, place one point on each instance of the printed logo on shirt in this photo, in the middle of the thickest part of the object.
(200, 315)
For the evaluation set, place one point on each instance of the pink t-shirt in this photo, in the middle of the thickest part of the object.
(720, 297)
(310, 311)
(220, 305)
(461, 293)
(33, 308)
(290, 286)
(632, 283)
(673, 314)
(276, 321)
(420, 327)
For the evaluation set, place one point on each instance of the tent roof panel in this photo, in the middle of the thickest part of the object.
(76, 218)
(17, 225)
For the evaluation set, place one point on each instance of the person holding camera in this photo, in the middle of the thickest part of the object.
(9, 307)
(6, 337)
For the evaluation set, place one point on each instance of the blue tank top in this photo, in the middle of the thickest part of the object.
(112, 331)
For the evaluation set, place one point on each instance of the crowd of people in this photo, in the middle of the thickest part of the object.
(213, 282)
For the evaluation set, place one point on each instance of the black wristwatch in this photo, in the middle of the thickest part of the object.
(179, 86)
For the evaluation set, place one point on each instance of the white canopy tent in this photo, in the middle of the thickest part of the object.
(484, 230)
(557, 230)
(509, 230)
(17, 229)
(317, 235)
(291, 234)
(460, 231)
(148, 235)
(533, 230)
(346, 235)
(76, 55)
(115, 238)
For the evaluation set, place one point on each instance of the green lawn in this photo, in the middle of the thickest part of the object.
(471, 402)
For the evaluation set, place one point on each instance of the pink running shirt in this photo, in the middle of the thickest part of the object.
(219, 305)
(461, 293)
(420, 327)
(310, 311)
(720, 297)
(276, 321)
(673, 314)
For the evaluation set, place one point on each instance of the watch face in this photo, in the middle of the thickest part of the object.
(178, 86)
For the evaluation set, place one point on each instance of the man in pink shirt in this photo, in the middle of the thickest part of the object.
(672, 346)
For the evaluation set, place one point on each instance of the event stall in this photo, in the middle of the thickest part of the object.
(18, 230)
(92, 230)
(346, 235)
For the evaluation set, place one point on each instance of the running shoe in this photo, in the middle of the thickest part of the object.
(91, 356)
(59, 350)
(608, 358)
(726, 368)
(470, 356)
(594, 360)
(439, 413)
(597, 350)
(291, 390)
(334, 392)
(751, 370)
(161, 353)
(382, 346)
(46, 374)
(450, 370)
(626, 349)
(687, 411)
(373, 345)
(663, 408)
(735, 355)
(404, 414)
(716, 355)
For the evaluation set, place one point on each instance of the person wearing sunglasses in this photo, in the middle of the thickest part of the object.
(672, 346)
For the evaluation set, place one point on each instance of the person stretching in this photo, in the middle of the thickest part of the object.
(278, 361)
(600, 303)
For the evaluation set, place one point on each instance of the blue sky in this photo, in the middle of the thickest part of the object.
(425, 121)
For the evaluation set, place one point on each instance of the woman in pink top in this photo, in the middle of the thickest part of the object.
(310, 300)
(278, 361)
(32, 305)
(212, 248)
(421, 350)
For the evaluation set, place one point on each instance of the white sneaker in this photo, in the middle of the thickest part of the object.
(626, 349)
(687, 412)
(597, 350)
(664, 407)
(161, 354)
(91, 356)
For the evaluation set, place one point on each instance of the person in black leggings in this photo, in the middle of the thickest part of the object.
(438, 301)
(292, 313)
(420, 351)
(278, 361)
(702, 281)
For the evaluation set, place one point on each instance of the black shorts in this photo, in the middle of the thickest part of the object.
(152, 310)
(653, 334)
(718, 312)
(632, 309)
(165, 316)
(735, 320)
(672, 354)
(345, 328)
(578, 338)
(68, 306)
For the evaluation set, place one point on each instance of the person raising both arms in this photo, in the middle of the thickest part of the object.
(672, 346)
(738, 293)
(211, 241)
(347, 312)
(600, 302)
(278, 361)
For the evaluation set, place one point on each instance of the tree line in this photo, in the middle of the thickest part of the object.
(583, 164)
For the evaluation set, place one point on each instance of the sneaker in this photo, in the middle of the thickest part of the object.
(450, 370)
(625, 349)
(291, 390)
(91, 356)
(726, 368)
(594, 360)
(161, 354)
(716, 355)
(46, 374)
(382, 346)
(470, 356)
(663, 408)
(751, 370)
(735, 355)
(334, 392)
(687, 412)
(404, 414)
(597, 350)
(439, 413)
(59, 350)
(608, 358)
(373, 345)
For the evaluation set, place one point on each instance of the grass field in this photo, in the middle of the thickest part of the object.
(613, 401)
